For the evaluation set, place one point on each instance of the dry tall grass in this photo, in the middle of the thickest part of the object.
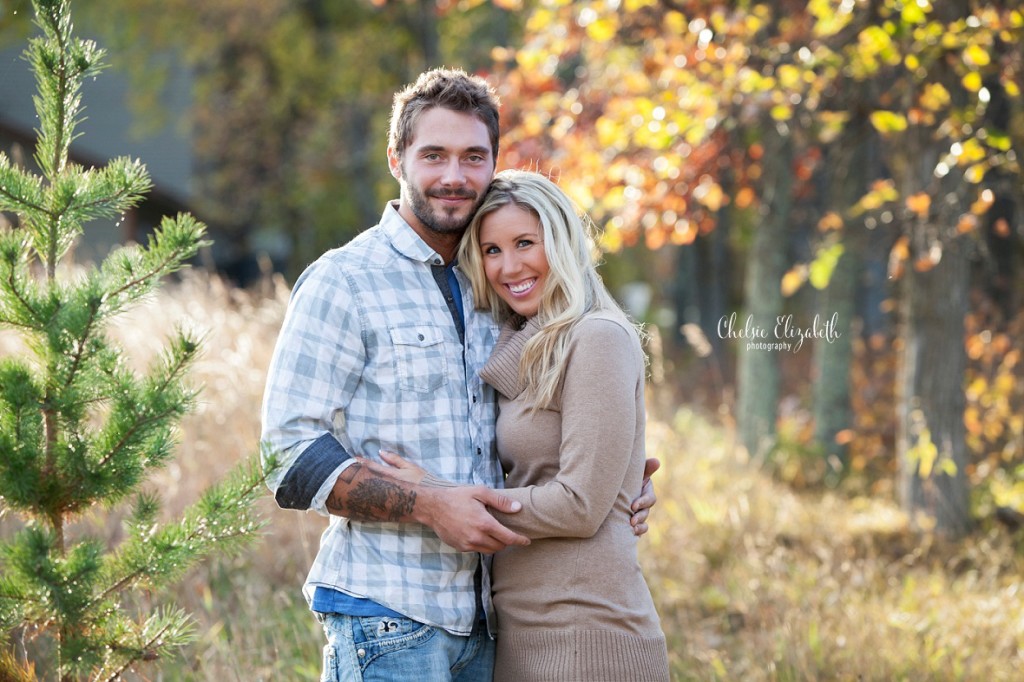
(753, 581)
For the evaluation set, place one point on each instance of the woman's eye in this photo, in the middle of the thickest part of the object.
(491, 250)
(525, 242)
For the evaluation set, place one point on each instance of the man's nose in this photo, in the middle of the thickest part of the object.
(453, 174)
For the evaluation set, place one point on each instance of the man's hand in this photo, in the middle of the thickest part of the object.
(642, 505)
(459, 516)
(402, 491)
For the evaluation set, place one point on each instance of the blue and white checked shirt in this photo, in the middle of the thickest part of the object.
(369, 358)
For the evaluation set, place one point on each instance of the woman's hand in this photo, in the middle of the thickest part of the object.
(401, 468)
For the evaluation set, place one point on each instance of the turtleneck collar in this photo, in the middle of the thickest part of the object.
(502, 369)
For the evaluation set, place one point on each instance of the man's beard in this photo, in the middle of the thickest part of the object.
(446, 222)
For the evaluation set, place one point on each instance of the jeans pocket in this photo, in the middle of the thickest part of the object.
(394, 638)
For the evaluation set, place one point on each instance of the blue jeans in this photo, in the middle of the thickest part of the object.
(387, 649)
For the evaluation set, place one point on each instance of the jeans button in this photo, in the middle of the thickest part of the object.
(360, 653)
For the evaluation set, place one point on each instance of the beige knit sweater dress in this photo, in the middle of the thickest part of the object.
(573, 605)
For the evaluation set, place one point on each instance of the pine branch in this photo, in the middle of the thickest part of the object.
(167, 552)
(11, 249)
(19, 191)
(169, 629)
(174, 242)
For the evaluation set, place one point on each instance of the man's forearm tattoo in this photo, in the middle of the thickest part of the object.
(371, 499)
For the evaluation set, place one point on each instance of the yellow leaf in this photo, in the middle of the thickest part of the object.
(823, 265)
(913, 14)
(975, 173)
(789, 76)
(977, 55)
(972, 81)
(782, 112)
(611, 239)
(971, 151)
(674, 23)
(925, 453)
(609, 133)
(935, 97)
(710, 194)
(888, 122)
(1011, 88)
(603, 30)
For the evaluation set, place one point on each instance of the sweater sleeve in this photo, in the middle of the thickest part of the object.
(599, 407)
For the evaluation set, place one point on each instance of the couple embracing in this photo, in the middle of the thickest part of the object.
(459, 392)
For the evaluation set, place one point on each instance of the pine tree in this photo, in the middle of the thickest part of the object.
(80, 430)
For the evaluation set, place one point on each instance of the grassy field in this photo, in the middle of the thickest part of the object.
(753, 580)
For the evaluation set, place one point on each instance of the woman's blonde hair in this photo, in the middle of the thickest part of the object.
(572, 289)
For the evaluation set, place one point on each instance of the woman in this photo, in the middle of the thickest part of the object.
(569, 371)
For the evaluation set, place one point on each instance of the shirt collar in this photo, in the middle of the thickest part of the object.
(404, 239)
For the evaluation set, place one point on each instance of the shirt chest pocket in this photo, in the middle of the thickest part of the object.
(420, 362)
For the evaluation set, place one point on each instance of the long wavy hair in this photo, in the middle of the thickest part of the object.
(572, 288)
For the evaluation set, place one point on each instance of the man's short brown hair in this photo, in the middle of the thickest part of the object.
(449, 89)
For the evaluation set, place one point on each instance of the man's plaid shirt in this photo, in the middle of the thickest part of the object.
(369, 358)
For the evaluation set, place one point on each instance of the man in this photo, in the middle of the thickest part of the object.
(380, 350)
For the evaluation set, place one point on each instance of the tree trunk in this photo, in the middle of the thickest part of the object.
(934, 302)
(932, 401)
(757, 369)
(852, 167)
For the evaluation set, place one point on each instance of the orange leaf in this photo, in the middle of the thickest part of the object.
(983, 203)
(898, 256)
(919, 203)
(844, 437)
(972, 421)
(975, 347)
(684, 233)
(793, 280)
(968, 223)
(1002, 228)
(654, 238)
(745, 197)
(830, 221)
(924, 264)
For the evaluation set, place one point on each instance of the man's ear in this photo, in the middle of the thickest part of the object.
(394, 163)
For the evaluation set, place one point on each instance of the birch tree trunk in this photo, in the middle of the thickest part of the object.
(758, 370)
